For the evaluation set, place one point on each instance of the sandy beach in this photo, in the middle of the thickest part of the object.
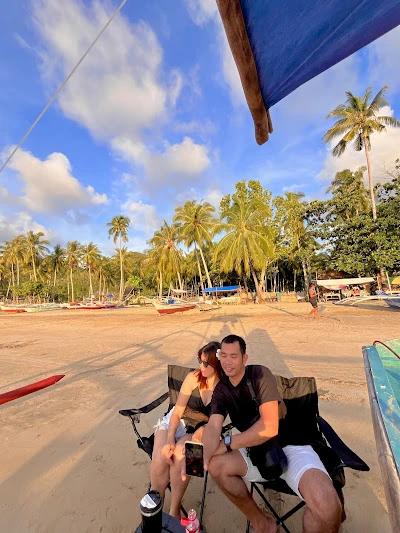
(69, 461)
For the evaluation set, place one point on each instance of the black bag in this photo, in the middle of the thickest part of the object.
(269, 457)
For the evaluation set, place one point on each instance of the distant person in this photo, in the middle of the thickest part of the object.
(313, 299)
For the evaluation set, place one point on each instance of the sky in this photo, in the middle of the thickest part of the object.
(155, 116)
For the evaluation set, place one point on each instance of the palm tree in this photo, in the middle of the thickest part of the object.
(166, 254)
(119, 229)
(196, 227)
(357, 119)
(35, 246)
(90, 256)
(290, 216)
(57, 261)
(73, 256)
(247, 242)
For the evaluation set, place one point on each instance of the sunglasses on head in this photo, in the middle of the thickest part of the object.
(205, 363)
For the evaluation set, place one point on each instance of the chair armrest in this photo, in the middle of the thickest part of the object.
(347, 456)
(147, 408)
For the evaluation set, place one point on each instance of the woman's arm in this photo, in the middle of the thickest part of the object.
(188, 385)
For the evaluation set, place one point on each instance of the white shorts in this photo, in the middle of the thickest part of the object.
(300, 459)
(164, 424)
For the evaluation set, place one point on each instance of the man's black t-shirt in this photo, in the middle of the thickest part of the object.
(237, 400)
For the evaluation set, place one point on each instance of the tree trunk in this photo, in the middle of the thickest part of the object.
(17, 273)
(306, 281)
(198, 266)
(245, 285)
(121, 283)
(160, 290)
(257, 286)
(179, 280)
(72, 287)
(90, 283)
(294, 281)
(34, 267)
(263, 280)
(371, 187)
(205, 268)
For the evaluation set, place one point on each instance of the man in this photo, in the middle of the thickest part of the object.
(228, 461)
(313, 299)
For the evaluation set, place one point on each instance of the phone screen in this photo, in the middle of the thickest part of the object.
(194, 459)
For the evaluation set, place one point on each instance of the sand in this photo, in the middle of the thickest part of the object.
(69, 461)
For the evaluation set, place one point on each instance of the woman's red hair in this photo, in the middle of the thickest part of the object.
(210, 352)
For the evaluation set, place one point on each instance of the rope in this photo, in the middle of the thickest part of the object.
(388, 347)
(62, 85)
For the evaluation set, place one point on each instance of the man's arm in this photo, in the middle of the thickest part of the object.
(211, 437)
(264, 429)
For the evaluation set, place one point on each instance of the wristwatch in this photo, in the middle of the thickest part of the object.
(227, 442)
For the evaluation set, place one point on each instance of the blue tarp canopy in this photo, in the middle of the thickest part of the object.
(280, 44)
(231, 288)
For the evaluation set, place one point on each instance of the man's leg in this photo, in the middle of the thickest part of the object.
(227, 470)
(324, 510)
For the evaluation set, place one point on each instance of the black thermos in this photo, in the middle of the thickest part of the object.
(151, 509)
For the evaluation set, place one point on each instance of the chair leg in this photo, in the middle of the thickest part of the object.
(279, 520)
(203, 500)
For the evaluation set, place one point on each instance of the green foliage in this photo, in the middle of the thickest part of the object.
(31, 288)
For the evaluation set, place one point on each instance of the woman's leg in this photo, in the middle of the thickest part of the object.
(159, 470)
(178, 486)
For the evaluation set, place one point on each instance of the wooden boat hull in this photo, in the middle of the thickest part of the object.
(382, 369)
(6, 309)
(168, 309)
(394, 303)
(28, 389)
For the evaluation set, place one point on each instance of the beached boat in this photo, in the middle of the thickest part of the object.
(28, 389)
(382, 367)
(173, 306)
(12, 309)
(394, 303)
(42, 307)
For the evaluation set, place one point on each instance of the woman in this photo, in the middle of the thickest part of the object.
(190, 413)
(313, 299)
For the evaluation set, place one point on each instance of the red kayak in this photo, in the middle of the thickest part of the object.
(33, 387)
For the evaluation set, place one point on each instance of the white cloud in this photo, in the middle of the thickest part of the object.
(384, 61)
(18, 224)
(294, 188)
(116, 89)
(118, 92)
(177, 163)
(385, 150)
(144, 217)
(205, 128)
(49, 187)
(203, 12)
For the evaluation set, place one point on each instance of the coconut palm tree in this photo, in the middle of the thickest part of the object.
(197, 226)
(73, 257)
(290, 216)
(247, 242)
(56, 260)
(119, 226)
(358, 118)
(90, 257)
(36, 247)
(166, 254)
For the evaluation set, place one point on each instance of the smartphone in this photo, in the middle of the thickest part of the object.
(194, 459)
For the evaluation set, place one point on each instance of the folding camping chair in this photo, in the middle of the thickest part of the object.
(303, 421)
(176, 376)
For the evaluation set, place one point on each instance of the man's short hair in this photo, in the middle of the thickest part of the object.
(230, 339)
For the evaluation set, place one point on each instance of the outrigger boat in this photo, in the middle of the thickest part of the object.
(394, 303)
(173, 306)
(382, 368)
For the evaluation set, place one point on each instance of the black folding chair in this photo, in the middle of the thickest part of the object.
(176, 376)
(304, 424)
